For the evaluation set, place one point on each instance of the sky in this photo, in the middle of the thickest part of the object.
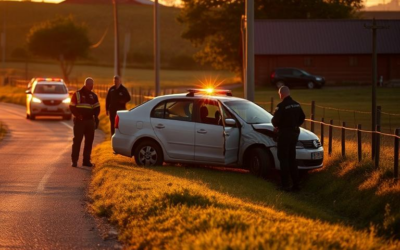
(367, 2)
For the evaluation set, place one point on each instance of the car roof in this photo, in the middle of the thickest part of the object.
(222, 98)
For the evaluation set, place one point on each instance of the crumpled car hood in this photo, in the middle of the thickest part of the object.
(268, 129)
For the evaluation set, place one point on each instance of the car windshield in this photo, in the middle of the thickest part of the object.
(48, 88)
(249, 112)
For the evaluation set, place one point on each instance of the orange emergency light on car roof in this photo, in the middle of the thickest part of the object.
(43, 79)
(209, 91)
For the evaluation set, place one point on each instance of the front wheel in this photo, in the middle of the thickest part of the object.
(148, 153)
(259, 161)
(310, 85)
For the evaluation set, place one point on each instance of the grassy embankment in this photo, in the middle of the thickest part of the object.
(197, 208)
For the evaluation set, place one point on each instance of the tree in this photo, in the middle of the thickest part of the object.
(215, 24)
(61, 39)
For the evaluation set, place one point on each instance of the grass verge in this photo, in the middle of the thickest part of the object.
(3, 130)
(174, 207)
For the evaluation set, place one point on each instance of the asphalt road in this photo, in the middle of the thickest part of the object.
(43, 198)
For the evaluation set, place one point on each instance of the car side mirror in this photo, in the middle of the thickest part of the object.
(28, 92)
(230, 122)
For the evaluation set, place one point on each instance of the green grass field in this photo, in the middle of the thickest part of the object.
(19, 17)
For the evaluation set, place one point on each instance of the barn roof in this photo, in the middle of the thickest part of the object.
(324, 37)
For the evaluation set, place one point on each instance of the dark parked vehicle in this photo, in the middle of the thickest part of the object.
(295, 77)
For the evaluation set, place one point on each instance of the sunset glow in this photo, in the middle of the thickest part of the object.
(177, 2)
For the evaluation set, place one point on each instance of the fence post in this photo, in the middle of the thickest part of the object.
(396, 155)
(322, 131)
(378, 145)
(343, 139)
(272, 105)
(312, 115)
(330, 137)
(359, 142)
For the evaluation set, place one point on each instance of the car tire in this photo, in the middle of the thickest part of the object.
(32, 117)
(279, 84)
(259, 160)
(27, 116)
(149, 153)
(67, 117)
(310, 85)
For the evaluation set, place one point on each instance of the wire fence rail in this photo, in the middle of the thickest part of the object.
(360, 136)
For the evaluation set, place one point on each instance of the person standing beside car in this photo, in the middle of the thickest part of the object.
(117, 97)
(85, 107)
(288, 117)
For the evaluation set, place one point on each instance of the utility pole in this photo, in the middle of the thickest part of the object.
(374, 27)
(249, 83)
(156, 48)
(117, 70)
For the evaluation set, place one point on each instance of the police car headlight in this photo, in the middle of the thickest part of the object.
(67, 100)
(299, 145)
(36, 100)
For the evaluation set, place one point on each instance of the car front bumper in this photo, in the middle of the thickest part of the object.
(50, 110)
(305, 159)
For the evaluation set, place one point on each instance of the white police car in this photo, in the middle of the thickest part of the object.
(206, 127)
(47, 97)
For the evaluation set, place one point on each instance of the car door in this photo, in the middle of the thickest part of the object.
(214, 142)
(172, 123)
(299, 78)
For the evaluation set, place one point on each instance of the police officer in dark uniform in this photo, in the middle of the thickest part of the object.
(116, 99)
(287, 119)
(85, 107)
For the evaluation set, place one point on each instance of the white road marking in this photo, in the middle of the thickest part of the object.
(66, 124)
(49, 172)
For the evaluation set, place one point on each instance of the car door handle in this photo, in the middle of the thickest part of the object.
(202, 131)
(160, 126)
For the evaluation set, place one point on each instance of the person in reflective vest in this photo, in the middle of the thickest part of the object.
(85, 107)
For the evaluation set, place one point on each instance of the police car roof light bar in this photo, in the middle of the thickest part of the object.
(226, 92)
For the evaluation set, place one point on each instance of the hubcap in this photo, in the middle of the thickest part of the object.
(148, 156)
(310, 85)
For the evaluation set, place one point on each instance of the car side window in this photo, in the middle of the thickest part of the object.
(297, 73)
(210, 113)
(180, 110)
(158, 111)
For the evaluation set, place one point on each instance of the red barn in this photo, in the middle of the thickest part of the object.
(339, 50)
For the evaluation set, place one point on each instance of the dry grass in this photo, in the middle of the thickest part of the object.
(153, 209)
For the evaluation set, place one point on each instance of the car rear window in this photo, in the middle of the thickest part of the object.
(48, 88)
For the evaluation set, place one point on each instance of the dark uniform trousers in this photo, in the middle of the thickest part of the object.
(83, 128)
(287, 140)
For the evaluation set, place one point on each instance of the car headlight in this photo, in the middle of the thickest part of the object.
(36, 100)
(67, 100)
(318, 78)
(299, 144)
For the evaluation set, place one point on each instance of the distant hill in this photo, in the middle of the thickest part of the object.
(136, 2)
(393, 5)
(133, 18)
